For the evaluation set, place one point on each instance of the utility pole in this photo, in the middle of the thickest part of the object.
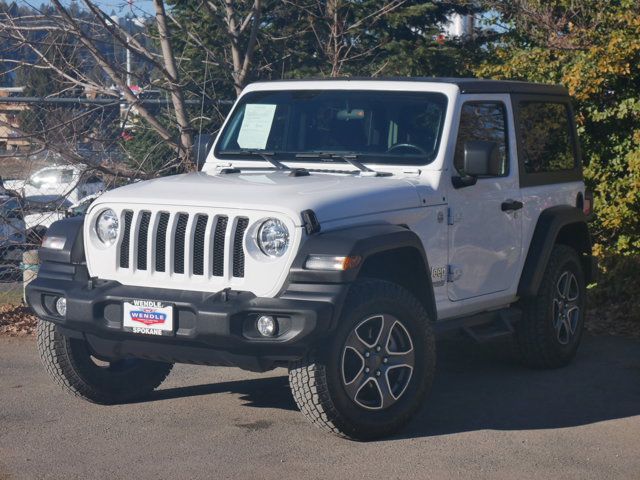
(129, 20)
(128, 64)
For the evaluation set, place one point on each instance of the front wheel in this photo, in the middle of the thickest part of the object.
(374, 373)
(72, 365)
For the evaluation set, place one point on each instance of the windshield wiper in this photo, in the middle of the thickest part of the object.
(349, 158)
(265, 155)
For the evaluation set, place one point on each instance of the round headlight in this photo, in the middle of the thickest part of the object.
(107, 226)
(273, 238)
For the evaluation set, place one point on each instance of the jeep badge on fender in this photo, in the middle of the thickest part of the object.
(337, 227)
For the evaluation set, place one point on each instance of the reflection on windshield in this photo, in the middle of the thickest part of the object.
(401, 128)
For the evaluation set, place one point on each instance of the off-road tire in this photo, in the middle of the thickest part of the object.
(536, 339)
(316, 381)
(69, 362)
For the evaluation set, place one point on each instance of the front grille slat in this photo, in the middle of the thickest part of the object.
(179, 243)
(161, 242)
(143, 233)
(198, 244)
(217, 269)
(126, 238)
(238, 247)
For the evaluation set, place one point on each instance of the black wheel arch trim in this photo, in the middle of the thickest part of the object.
(546, 234)
(361, 241)
(71, 229)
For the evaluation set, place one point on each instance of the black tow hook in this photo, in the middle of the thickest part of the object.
(224, 294)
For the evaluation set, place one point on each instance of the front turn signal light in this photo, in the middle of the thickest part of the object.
(331, 262)
(53, 243)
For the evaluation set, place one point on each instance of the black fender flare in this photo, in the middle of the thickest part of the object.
(545, 236)
(363, 242)
(72, 252)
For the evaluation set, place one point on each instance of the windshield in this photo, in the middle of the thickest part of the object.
(395, 128)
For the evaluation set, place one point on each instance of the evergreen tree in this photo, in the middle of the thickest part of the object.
(308, 38)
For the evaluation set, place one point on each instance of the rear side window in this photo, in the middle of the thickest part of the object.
(486, 121)
(546, 137)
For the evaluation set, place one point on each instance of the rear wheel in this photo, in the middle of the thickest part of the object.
(374, 373)
(551, 328)
(72, 365)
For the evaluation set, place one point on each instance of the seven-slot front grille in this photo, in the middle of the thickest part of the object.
(183, 243)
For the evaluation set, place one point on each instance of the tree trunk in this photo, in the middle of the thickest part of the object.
(242, 61)
(186, 140)
(334, 44)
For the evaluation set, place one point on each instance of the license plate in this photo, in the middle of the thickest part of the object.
(148, 317)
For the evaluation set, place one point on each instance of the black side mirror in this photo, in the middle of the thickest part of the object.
(481, 158)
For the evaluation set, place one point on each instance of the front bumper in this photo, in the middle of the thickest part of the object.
(209, 328)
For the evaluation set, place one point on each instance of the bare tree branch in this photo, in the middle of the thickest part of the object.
(186, 141)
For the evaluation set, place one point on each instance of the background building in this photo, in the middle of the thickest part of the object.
(10, 139)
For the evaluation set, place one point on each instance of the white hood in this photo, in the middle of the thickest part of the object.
(330, 196)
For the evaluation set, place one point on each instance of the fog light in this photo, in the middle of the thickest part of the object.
(61, 306)
(266, 326)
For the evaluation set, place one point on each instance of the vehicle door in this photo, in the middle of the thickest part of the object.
(485, 221)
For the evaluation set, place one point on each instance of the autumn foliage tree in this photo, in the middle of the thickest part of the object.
(593, 48)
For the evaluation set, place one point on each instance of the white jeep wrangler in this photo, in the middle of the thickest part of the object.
(337, 227)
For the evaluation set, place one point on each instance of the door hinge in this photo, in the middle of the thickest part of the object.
(454, 272)
(452, 217)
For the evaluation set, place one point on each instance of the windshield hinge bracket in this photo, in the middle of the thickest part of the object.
(310, 222)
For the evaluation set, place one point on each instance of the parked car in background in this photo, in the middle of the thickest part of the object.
(49, 184)
(80, 208)
(12, 229)
(40, 214)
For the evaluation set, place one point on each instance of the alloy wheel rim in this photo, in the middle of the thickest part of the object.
(566, 309)
(377, 362)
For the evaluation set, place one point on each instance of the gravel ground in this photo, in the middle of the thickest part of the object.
(486, 418)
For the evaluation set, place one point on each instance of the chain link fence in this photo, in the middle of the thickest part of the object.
(35, 191)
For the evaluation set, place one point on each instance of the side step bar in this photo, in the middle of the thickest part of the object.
(483, 327)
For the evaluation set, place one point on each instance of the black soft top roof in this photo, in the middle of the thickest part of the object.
(466, 85)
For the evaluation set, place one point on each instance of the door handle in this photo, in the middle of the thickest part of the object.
(511, 205)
